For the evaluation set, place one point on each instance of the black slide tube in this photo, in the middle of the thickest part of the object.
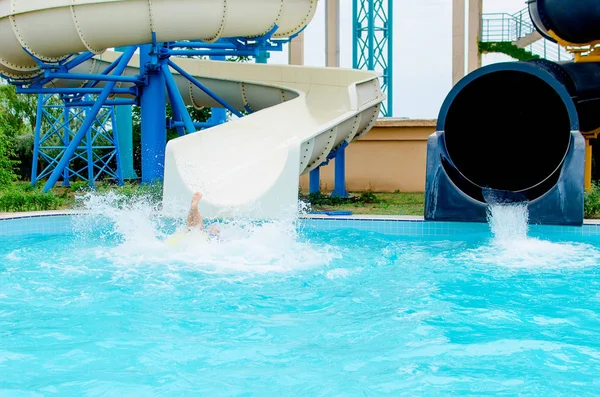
(507, 126)
(574, 21)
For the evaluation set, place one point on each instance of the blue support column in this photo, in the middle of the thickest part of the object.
(177, 119)
(36, 138)
(176, 100)
(89, 150)
(340, 173)
(315, 181)
(124, 123)
(154, 129)
(263, 57)
(217, 115)
(66, 141)
(119, 168)
(372, 43)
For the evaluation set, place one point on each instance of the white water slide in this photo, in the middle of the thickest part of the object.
(249, 166)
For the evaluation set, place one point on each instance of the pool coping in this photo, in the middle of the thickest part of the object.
(369, 217)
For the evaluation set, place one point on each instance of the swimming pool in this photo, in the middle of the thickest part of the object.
(315, 307)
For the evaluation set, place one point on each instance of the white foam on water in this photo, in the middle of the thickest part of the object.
(512, 247)
(143, 236)
(508, 222)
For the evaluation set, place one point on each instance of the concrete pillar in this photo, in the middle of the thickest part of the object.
(458, 40)
(475, 11)
(332, 35)
(296, 50)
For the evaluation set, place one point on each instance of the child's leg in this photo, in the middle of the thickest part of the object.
(194, 218)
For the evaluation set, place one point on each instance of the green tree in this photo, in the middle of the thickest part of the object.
(7, 162)
(17, 123)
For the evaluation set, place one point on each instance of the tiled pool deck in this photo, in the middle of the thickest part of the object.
(59, 222)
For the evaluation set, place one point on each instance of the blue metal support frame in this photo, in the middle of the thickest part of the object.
(217, 115)
(339, 189)
(66, 141)
(153, 112)
(372, 43)
(178, 103)
(204, 88)
(70, 150)
(79, 135)
(314, 184)
(95, 156)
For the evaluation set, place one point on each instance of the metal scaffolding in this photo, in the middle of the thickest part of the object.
(372, 43)
(76, 134)
(95, 157)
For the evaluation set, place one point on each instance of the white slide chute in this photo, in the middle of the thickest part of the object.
(248, 166)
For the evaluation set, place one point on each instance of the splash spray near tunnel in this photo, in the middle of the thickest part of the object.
(512, 132)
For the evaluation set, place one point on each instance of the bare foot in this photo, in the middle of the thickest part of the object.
(196, 199)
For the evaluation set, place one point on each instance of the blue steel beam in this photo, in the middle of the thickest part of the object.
(70, 150)
(36, 139)
(21, 90)
(115, 102)
(200, 53)
(204, 88)
(197, 124)
(83, 76)
(315, 181)
(199, 44)
(66, 142)
(153, 112)
(178, 103)
(372, 43)
(339, 189)
(176, 121)
(217, 115)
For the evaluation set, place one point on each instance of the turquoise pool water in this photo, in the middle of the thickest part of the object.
(281, 309)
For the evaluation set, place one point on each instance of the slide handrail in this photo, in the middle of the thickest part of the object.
(509, 28)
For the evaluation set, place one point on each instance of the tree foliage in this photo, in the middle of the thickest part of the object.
(17, 123)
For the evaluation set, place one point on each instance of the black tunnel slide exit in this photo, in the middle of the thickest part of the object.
(513, 129)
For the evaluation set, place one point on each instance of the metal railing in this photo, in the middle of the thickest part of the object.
(504, 27)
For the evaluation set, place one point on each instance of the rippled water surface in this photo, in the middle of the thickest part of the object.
(278, 309)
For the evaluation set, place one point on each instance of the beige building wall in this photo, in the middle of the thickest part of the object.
(462, 23)
(392, 156)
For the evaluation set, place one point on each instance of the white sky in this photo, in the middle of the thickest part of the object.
(422, 50)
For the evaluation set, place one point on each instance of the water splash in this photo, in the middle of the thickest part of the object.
(511, 246)
(508, 222)
(135, 231)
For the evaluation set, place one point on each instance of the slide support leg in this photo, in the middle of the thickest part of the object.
(340, 173)
(315, 181)
(70, 150)
(154, 128)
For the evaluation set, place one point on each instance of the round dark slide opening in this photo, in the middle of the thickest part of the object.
(507, 130)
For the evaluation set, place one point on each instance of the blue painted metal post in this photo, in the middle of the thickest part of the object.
(124, 117)
(89, 149)
(175, 96)
(70, 150)
(66, 141)
(36, 138)
(218, 115)
(177, 119)
(340, 172)
(371, 35)
(372, 43)
(263, 57)
(315, 181)
(154, 129)
(113, 119)
(389, 78)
